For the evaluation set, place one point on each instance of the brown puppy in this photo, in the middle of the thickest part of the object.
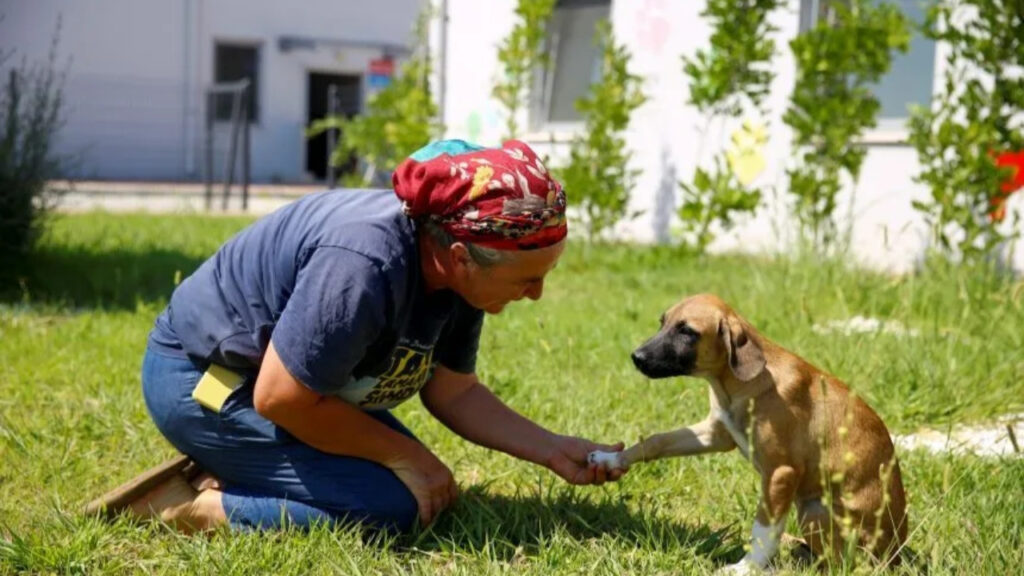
(811, 440)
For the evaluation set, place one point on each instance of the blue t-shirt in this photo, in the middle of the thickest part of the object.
(334, 280)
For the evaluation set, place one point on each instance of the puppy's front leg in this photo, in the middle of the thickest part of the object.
(706, 436)
(778, 490)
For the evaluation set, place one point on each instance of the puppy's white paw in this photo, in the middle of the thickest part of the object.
(741, 568)
(609, 460)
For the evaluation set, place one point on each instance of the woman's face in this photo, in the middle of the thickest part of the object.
(490, 288)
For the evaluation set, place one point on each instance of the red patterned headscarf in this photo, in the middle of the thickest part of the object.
(501, 198)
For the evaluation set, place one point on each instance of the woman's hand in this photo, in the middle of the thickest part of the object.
(567, 457)
(429, 480)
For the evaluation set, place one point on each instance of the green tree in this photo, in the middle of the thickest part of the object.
(598, 175)
(970, 123)
(837, 63)
(521, 53)
(730, 78)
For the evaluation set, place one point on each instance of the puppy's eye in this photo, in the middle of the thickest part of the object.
(686, 330)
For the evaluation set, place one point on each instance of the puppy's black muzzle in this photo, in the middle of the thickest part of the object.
(663, 357)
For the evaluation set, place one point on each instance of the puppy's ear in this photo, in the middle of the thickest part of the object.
(746, 359)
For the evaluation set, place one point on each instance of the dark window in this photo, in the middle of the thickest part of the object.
(231, 64)
(909, 80)
(574, 59)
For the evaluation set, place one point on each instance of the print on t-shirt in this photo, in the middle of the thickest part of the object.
(409, 370)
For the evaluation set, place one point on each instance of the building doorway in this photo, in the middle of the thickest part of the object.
(348, 93)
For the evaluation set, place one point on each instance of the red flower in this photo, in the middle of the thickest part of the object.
(1015, 161)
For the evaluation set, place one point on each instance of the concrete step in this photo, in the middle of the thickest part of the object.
(163, 197)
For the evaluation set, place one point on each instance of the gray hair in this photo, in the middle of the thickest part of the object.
(483, 257)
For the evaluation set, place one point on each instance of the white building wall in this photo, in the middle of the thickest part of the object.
(123, 104)
(665, 134)
(138, 67)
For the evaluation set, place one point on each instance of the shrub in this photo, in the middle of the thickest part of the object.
(31, 114)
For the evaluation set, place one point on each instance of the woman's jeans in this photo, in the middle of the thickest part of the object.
(268, 477)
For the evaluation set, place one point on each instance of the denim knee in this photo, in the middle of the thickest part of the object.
(398, 512)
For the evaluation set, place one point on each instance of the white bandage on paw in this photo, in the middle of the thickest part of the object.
(609, 460)
(741, 568)
(764, 544)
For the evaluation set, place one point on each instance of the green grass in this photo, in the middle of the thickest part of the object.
(72, 421)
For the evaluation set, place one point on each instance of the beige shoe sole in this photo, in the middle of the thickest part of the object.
(113, 502)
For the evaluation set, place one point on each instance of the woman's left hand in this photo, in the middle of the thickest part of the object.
(567, 457)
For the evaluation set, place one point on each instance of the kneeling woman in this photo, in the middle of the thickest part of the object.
(303, 330)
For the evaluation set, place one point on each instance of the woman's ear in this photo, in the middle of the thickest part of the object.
(461, 259)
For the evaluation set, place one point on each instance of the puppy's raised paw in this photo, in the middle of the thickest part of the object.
(609, 460)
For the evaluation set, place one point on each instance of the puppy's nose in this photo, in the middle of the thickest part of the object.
(639, 358)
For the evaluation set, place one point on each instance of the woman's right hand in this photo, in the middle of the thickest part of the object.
(429, 480)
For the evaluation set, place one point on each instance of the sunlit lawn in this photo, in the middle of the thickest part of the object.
(73, 424)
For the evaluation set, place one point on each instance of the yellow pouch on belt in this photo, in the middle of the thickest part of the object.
(215, 386)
